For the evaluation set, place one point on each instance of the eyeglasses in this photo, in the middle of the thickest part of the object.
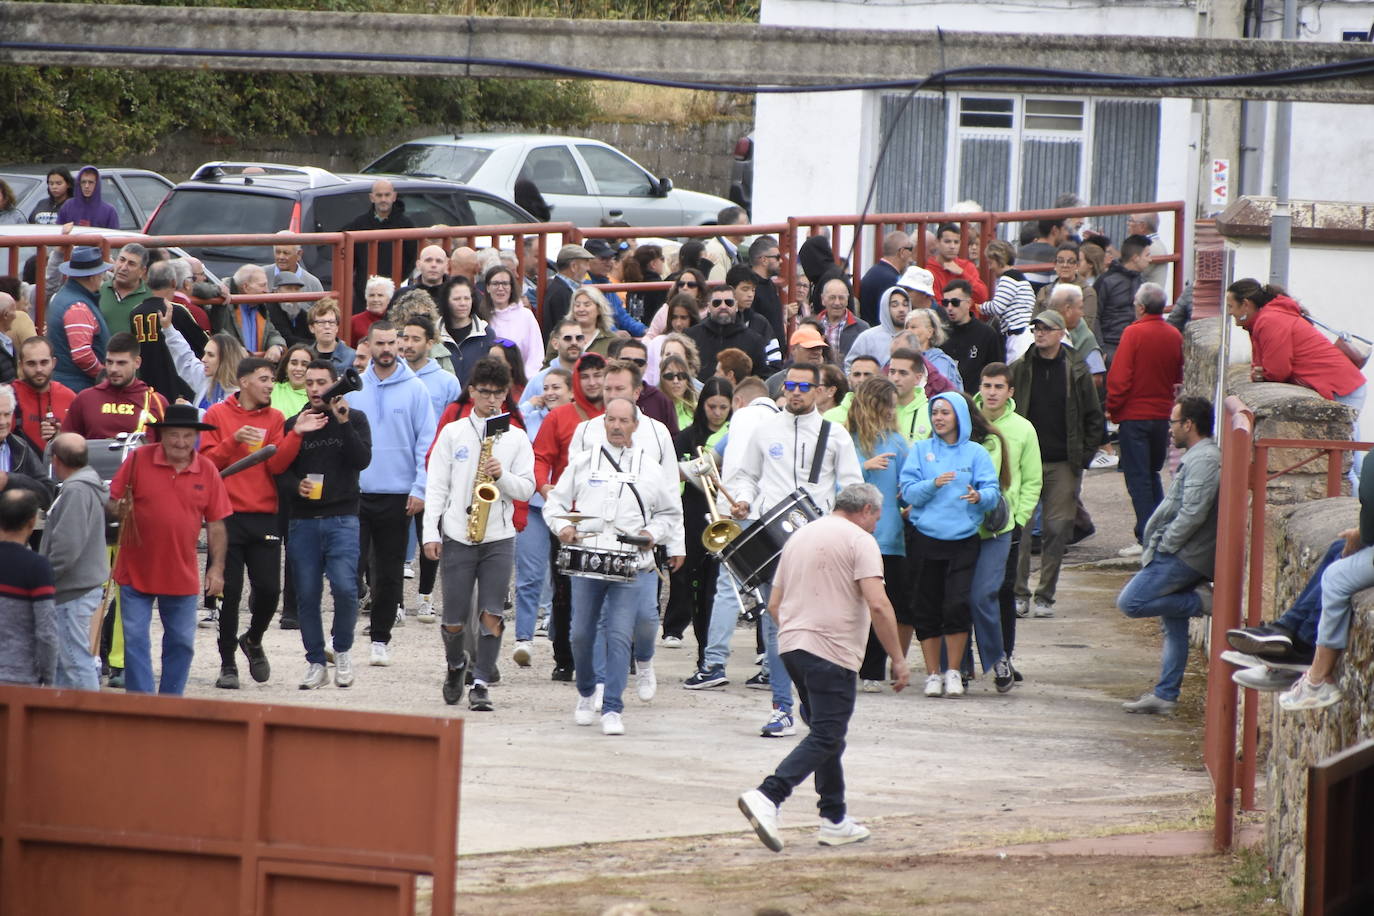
(638, 361)
(498, 283)
(488, 392)
(803, 387)
(953, 302)
(772, 257)
(674, 376)
(722, 301)
(1172, 421)
(578, 339)
(326, 321)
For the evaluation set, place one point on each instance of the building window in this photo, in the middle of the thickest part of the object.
(982, 112)
(1054, 114)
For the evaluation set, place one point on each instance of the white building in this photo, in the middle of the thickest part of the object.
(1011, 150)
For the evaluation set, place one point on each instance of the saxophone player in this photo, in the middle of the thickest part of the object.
(476, 476)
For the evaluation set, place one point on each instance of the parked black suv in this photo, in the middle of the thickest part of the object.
(220, 199)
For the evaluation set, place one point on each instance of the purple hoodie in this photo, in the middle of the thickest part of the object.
(88, 211)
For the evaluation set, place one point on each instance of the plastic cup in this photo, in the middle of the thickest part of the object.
(257, 443)
(316, 482)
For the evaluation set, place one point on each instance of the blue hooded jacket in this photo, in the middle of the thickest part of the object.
(938, 512)
(402, 418)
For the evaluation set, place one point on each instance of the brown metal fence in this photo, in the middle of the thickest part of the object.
(1340, 834)
(145, 804)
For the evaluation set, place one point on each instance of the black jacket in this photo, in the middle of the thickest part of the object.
(768, 303)
(1116, 290)
(339, 451)
(26, 471)
(396, 219)
(711, 338)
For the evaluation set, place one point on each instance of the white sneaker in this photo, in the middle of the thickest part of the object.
(315, 676)
(869, 686)
(645, 682)
(426, 609)
(522, 654)
(1023, 607)
(1306, 695)
(935, 685)
(612, 724)
(846, 831)
(1134, 550)
(343, 670)
(584, 714)
(410, 571)
(400, 616)
(954, 683)
(1105, 460)
(381, 655)
(597, 695)
(763, 816)
(1042, 609)
(671, 642)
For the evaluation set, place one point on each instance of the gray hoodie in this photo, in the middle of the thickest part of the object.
(877, 341)
(74, 538)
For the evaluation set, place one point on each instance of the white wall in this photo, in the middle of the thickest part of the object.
(1320, 280)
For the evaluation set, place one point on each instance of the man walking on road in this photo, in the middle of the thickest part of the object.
(828, 589)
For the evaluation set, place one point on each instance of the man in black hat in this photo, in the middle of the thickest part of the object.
(165, 493)
(76, 328)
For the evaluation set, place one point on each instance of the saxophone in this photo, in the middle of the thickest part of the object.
(484, 494)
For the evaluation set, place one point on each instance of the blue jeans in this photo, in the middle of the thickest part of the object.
(725, 611)
(531, 572)
(621, 606)
(178, 613)
(1164, 589)
(984, 605)
(1355, 401)
(316, 548)
(1340, 582)
(1144, 444)
(1301, 618)
(827, 696)
(778, 677)
(77, 668)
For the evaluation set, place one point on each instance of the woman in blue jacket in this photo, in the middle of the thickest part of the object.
(872, 423)
(950, 483)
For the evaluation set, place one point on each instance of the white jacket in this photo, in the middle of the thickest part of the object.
(778, 461)
(652, 438)
(452, 468)
(591, 481)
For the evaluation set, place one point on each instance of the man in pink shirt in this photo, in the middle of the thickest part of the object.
(827, 591)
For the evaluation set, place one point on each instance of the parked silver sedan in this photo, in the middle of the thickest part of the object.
(583, 181)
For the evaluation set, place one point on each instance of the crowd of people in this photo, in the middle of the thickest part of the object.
(553, 466)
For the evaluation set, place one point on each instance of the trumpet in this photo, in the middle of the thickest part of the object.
(721, 530)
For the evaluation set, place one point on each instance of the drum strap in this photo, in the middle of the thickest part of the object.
(633, 489)
(817, 458)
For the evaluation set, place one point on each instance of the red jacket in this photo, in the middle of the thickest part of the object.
(1147, 365)
(942, 276)
(252, 490)
(1289, 349)
(104, 411)
(34, 405)
(556, 432)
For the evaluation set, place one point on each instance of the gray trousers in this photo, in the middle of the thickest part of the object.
(482, 571)
(1058, 508)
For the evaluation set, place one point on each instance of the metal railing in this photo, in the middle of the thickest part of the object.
(1241, 530)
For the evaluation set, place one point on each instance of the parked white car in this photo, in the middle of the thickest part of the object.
(584, 181)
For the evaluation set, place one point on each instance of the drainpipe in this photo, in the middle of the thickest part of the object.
(1281, 225)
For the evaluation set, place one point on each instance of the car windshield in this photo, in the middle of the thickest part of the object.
(189, 211)
(425, 160)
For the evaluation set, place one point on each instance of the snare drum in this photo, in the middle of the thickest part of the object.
(598, 563)
(753, 556)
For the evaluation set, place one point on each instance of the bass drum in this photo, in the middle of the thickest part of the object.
(753, 556)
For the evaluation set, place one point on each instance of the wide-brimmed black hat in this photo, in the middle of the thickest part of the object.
(181, 416)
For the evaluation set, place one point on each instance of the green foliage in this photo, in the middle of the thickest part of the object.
(62, 113)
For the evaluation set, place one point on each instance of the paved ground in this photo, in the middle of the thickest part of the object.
(1056, 757)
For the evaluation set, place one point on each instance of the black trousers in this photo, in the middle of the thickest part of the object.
(560, 610)
(429, 569)
(383, 530)
(897, 585)
(943, 580)
(255, 547)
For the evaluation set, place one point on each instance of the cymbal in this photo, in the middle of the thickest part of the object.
(574, 517)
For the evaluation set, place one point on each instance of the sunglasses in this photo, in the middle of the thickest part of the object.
(638, 361)
(953, 303)
(674, 376)
(803, 387)
(579, 338)
(722, 301)
(690, 284)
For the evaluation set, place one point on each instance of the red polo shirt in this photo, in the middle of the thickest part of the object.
(158, 557)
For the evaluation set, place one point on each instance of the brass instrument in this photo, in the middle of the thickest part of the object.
(721, 530)
(484, 493)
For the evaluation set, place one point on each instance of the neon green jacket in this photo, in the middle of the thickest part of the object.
(1024, 491)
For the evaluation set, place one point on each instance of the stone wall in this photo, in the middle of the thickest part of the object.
(695, 156)
(1299, 740)
(1281, 412)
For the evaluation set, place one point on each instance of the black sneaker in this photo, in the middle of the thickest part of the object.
(478, 701)
(1002, 677)
(562, 674)
(759, 681)
(116, 679)
(1264, 641)
(228, 678)
(1015, 675)
(453, 685)
(495, 676)
(258, 666)
(290, 623)
(703, 678)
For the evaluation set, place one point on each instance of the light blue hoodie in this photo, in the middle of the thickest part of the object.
(402, 418)
(938, 512)
(442, 386)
